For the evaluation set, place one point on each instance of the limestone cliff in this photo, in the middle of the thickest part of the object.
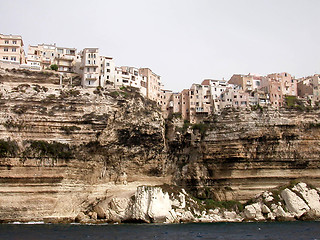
(63, 147)
(239, 154)
(66, 150)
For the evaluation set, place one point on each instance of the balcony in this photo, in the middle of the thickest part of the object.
(66, 57)
(91, 78)
(46, 61)
(64, 64)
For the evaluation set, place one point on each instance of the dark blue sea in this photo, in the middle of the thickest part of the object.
(230, 231)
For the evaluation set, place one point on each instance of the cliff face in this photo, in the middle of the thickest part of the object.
(64, 149)
(239, 154)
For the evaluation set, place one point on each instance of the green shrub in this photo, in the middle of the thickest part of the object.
(114, 94)
(54, 67)
(8, 148)
(46, 149)
(201, 127)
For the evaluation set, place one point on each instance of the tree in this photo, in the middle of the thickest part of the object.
(54, 67)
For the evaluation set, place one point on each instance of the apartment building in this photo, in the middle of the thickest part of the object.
(11, 49)
(170, 103)
(45, 55)
(234, 96)
(107, 70)
(153, 84)
(258, 97)
(217, 87)
(287, 83)
(308, 88)
(65, 59)
(185, 104)
(278, 86)
(272, 87)
(90, 67)
(248, 82)
(200, 101)
(42, 55)
(128, 76)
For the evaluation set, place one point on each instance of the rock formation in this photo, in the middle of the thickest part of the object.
(96, 154)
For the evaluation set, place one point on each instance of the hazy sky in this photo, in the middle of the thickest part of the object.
(183, 41)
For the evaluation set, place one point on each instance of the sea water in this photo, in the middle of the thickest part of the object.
(230, 231)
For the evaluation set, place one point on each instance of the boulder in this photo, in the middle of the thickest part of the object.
(151, 204)
(294, 203)
(265, 209)
(120, 206)
(187, 216)
(232, 216)
(82, 218)
(102, 210)
(311, 197)
(253, 212)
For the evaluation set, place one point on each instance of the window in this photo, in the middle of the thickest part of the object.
(107, 64)
(94, 56)
(108, 70)
(94, 61)
(5, 58)
(14, 42)
(13, 59)
(88, 69)
(89, 83)
(107, 77)
(52, 54)
(88, 61)
(14, 49)
(6, 41)
(6, 49)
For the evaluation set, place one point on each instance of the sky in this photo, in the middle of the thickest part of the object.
(183, 41)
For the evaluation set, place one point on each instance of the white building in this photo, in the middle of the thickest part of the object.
(90, 66)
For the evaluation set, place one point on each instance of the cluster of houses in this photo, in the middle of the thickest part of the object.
(211, 96)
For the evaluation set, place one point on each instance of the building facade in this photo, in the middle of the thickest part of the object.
(90, 67)
(153, 84)
(45, 55)
(11, 49)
